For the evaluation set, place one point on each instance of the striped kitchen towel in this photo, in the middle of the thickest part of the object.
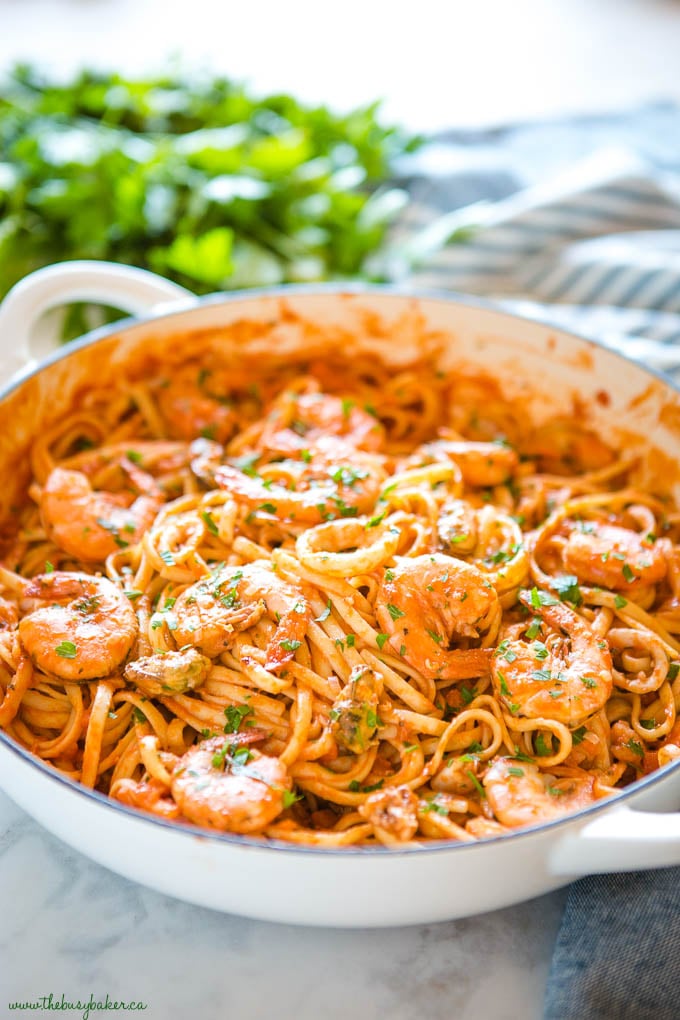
(594, 246)
(596, 249)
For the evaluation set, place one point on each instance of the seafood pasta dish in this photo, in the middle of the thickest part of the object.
(334, 602)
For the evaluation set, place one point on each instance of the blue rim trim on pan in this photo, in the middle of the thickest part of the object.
(248, 842)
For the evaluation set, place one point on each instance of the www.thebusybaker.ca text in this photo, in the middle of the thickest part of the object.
(91, 1005)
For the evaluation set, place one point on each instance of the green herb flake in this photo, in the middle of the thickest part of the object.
(235, 716)
(290, 645)
(476, 783)
(542, 749)
(324, 614)
(209, 522)
(534, 628)
(66, 650)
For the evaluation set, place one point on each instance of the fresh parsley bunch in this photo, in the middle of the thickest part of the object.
(192, 177)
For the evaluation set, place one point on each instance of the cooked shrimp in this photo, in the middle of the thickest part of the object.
(426, 602)
(519, 794)
(393, 813)
(78, 627)
(335, 481)
(354, 713)
(90, 525)
(169, 672)
(190, 410)
(613, 557)
(481, 464)
(230, 788)
(297, 421)
(567, 676)
(213, 611)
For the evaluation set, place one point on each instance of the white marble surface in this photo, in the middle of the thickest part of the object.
(68, 925)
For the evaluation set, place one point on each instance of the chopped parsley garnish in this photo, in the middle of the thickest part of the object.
(542, 598)
(435, 805)
(133, 594)
(620, 602)
(290, 798)
(67, 650)
(246, 464)
(534, 628)
(235, 715)
(476, 783)
(514, 771)
(324, 614)
(237, 756)
(347, 475)
(589, 681)
(673, 670)
(627, 573)
(134, 456)
(435, 637)
(541, 674)
(290, 645)
(578, 735)
(648, 724)
(395, 612)
(467, 694)
(167, 557)
(381, 639)
(540, 651)
(268, 508)
(356, 787)
(635, 746)
(505, 690)
(504, 651)
(373, 522)
(209, 522)
(542, 749)
(568, 589)
(49, 568)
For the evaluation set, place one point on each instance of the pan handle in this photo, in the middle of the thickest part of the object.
(621, 839)
(132, 290)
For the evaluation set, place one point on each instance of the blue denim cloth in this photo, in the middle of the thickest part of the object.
(617, 955)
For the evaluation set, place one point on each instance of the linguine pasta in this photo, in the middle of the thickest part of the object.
(338, 604)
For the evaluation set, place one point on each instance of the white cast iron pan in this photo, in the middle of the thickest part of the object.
(354, 886)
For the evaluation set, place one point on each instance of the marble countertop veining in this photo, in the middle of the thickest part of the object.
(68, 925)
